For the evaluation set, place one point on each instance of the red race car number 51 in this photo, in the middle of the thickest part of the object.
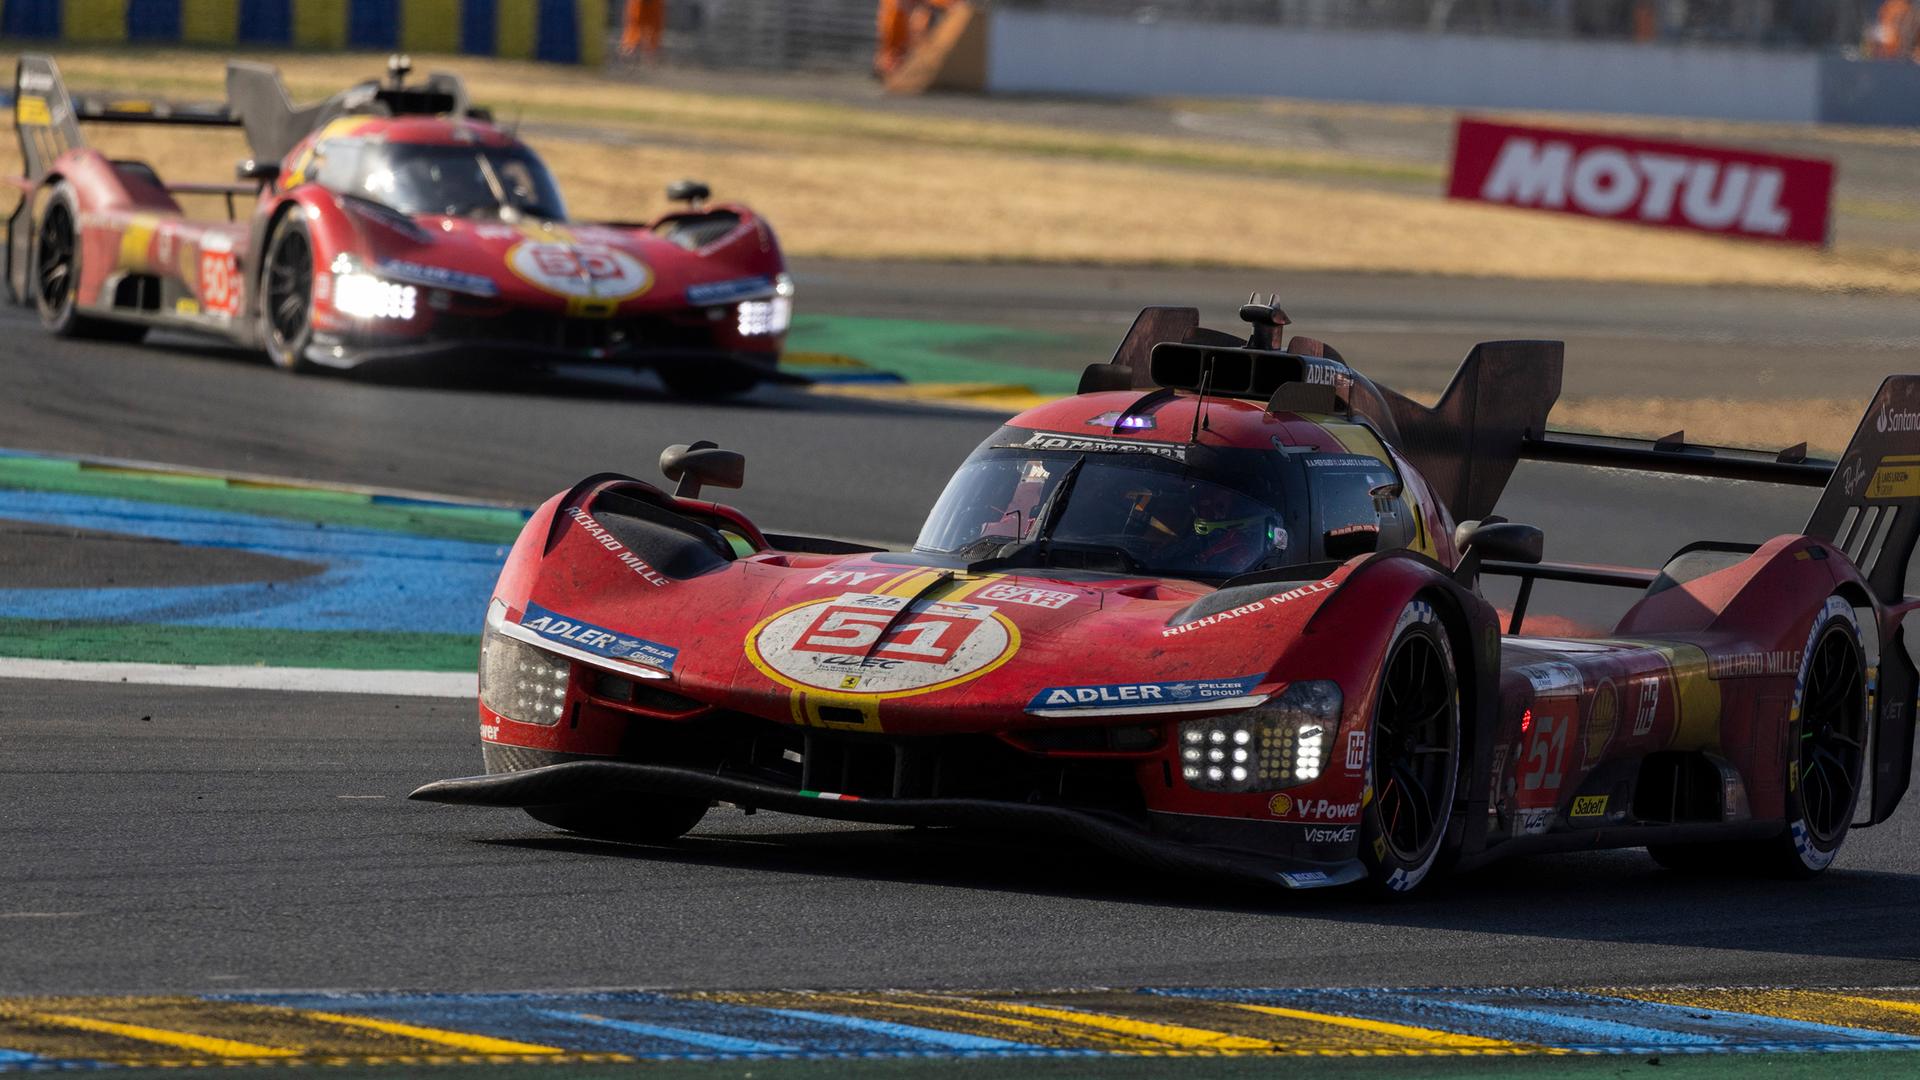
(920, 638)
(862, 643)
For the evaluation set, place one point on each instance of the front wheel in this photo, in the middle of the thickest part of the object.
(1414, 760)
(645, 819)
(286, 296)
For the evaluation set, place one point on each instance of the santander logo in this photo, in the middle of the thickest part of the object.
(1673, 185)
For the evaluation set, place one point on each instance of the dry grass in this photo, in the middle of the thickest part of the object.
(841, 180)
(1824, 423)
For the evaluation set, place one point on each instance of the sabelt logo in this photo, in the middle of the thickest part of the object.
(1697, 187)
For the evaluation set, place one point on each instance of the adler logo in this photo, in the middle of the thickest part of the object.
(1701, 188)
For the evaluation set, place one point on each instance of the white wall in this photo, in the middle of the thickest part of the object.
(1064, 53)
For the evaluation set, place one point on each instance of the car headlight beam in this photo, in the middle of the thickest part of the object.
(1277, 745)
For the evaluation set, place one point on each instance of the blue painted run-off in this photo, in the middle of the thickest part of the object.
(372, 580)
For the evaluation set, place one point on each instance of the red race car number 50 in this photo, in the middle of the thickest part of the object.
(583, 270)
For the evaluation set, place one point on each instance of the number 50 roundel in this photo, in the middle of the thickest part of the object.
(859, 643)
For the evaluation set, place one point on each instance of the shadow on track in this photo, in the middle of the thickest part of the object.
(1617, 896)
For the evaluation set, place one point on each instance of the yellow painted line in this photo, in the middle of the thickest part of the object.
(459, 1040)
(1398, 1031)
(205, 1044)
(993, 1019)
(1179, 1035)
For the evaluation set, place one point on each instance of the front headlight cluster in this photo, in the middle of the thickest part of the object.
(364, 296)
(760, 318)
(1282, 743)
(522, 683)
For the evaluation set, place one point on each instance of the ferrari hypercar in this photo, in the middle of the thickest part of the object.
(389, 222)
(1221, 612)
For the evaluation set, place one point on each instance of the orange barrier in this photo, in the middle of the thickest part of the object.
(640, 32)
(931, 45)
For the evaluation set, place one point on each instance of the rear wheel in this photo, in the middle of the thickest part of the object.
(56, 277)
(709, 381)
(647, 819)
(286, 296)
(1414, 761)
(1826, 763)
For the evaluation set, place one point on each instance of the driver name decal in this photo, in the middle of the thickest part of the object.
(581, 271)
(873, 644)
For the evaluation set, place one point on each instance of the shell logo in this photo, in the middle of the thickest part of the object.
(1280, 805)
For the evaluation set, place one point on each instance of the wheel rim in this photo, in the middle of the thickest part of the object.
(1832, 716)
(1414, 744)
(289, 283)
(56, 261)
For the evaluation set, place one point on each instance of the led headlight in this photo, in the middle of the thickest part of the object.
(1277, 745)
(364, 296)
(759, 318)
(520, 682)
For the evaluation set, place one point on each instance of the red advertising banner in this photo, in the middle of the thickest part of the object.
(1710, 189)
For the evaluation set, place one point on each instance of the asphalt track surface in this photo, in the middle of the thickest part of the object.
(175, 840)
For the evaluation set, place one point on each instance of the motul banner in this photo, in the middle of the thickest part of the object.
(1677, 185)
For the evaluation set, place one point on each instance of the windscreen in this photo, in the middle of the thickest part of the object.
(1160, 516)
(453, 180)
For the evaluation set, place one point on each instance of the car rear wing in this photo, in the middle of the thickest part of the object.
(47, 117)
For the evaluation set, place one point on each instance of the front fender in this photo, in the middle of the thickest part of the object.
(1356, 621)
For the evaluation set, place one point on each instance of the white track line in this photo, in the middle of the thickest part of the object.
(440, 684)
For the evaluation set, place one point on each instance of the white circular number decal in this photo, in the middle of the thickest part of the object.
(590, 271)
(853, 644)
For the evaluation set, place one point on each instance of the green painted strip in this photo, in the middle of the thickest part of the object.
(385, 651)
(921, 351)
(341, 508)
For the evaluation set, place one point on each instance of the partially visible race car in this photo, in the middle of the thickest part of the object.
(389, 222)
(1221, 612)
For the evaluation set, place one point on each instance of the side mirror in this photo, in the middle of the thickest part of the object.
(264, 172)
(693, 465)
(1347, 541)
(1508, 541)
(691, 192)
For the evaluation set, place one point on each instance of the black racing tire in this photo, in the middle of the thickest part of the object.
(1826, 763)
(286, 296)
(55, 278)
(643, 819)
(707, 382)
(1414, 756)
